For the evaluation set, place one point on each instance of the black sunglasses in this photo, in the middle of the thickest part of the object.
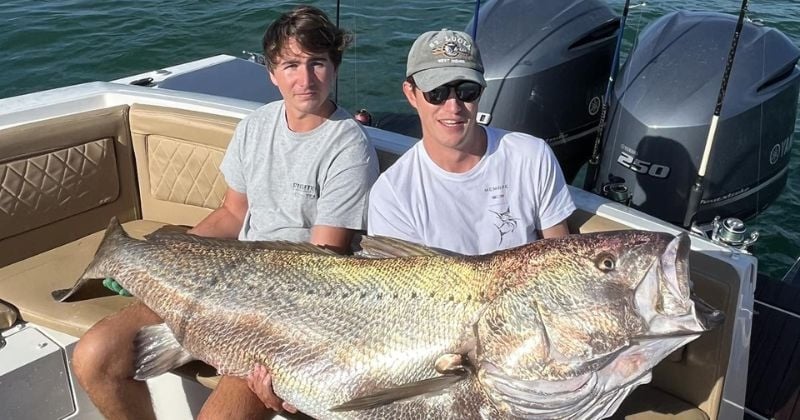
(465, 92)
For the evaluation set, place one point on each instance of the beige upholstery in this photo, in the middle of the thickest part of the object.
(45, 187)
(178, 154)
(27, 284)
(584, 222)
(62, 179)
(650, 403)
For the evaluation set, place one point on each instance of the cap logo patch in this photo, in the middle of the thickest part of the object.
(451, 47)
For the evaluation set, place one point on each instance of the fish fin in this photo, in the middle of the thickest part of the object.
(157, 352)
(169, 233)
(402, 392)
(89, 285)
(385, 247)
(294, 246)
(82, 290)
(452, 363)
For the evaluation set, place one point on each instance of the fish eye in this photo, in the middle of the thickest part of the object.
(606, 262)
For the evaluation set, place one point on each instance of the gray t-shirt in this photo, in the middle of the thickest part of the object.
(294, 181)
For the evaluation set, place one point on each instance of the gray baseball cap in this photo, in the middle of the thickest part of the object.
(441, 57)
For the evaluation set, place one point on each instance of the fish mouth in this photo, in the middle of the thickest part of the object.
(674, 266)
(665, 299)
(678, 250)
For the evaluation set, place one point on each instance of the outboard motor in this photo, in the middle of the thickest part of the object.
(546, 67)
(661, 112)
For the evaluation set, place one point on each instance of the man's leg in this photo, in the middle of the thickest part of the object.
(233, 400)
(103, 363)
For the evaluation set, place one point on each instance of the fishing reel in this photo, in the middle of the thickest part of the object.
(616, 190)
(730, 231)
(256, 57)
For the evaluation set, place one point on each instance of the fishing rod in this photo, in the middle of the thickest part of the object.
(696, 194)
(475, 27)
(594, 161)
(336, 83)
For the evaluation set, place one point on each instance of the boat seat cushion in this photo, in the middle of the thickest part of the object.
(648, 402)
(27, 284)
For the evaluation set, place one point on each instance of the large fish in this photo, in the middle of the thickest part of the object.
(560, 328)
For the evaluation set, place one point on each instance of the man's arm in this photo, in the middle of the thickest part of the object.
(336, 239)
(227, 220)
(555, 231)
(224, 222)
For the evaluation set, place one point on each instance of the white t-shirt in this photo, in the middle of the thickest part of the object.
(515, 189)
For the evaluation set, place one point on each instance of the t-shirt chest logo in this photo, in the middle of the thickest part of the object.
(304, 190)
(496, 191)
(505, 223)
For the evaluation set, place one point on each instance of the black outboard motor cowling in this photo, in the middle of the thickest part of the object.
(546, 67)
(661, 112)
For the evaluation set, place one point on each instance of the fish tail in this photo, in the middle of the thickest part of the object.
(113, 238)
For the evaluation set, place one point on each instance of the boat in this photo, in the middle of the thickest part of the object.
(146, 149)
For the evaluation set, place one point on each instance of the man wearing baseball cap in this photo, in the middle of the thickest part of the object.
(465, 187)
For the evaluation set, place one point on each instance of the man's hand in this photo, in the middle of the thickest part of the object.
(115, 287)
(260, 382)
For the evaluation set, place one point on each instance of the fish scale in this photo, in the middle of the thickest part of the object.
(539, 331)
(299, 298)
